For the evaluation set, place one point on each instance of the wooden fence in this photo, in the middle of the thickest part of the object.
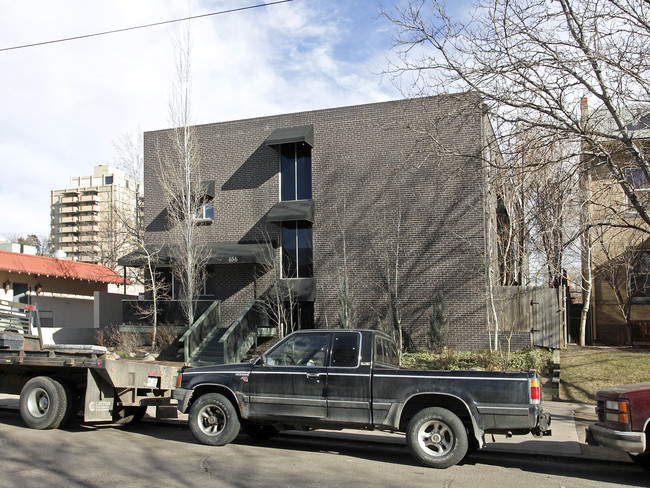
(537, 311)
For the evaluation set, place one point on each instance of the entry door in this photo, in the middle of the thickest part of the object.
(291, 382)
(348, 381)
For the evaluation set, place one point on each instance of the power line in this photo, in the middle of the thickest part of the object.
(239, 9)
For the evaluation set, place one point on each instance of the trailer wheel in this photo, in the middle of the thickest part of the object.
(213, 420)
(43, 403)
(129, 415)
(437, 438)
(74, 404)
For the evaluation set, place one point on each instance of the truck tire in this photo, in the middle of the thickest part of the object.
(259, 432)
(213, 420)
(74, 404)
(43, 403)
(437, 438)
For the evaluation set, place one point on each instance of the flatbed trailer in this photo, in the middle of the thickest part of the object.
(55, 382)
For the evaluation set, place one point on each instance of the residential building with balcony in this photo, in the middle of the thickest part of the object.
(93, 220)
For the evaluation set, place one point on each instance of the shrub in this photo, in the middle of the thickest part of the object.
(539, 360)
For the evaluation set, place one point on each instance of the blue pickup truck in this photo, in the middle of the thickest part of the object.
(335, 379)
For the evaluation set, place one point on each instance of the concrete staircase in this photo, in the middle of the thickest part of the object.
(223, 345)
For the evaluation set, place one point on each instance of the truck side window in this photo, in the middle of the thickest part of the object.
(345, 350)
(386, 353)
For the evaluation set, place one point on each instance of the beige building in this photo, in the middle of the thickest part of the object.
(93, 220)
(620, 246)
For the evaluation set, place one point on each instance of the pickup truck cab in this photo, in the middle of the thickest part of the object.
(623, 421)
(351, 379)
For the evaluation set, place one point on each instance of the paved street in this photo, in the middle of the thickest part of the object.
(154, 455)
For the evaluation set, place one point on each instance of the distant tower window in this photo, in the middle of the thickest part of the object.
(108, 180)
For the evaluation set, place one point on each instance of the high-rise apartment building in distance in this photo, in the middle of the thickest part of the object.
(94, 219)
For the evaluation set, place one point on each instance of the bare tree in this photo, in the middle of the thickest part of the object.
(340, 229)
(129, 156)
(180, 181)
(623, 266)
(389, 252)
(533, 62)
(278, 302)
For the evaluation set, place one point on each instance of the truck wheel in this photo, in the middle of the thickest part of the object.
(259, 432)
(437, 438)
(43, 403)
(213, 420)
(74, 404)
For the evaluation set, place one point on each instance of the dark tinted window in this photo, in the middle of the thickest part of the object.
(297, 252)
(345, 350)
(303, 171)
(295, 171)
(288, 172)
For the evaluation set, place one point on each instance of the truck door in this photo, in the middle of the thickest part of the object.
(291, 382)
(348, 381)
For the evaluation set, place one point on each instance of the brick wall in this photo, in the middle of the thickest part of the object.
(405, 173)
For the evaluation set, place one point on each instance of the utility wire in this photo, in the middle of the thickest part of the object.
(239, 9)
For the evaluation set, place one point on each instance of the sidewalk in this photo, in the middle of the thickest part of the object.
(565, 441)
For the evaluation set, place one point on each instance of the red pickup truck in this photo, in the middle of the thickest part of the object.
(624, 421)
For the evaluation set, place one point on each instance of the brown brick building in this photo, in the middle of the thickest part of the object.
(367, 192)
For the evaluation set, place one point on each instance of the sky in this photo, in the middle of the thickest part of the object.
(65, 105)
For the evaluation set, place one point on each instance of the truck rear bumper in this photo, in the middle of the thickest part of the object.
(543, 425)
(183, 396)
(632, 442)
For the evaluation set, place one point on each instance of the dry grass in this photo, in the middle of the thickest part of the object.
(585, 370)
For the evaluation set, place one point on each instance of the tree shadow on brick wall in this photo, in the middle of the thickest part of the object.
(440, 220)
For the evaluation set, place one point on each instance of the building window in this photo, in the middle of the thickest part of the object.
(295, 171)
(297, 253)
(205, 212)
(108, 180)
(637, 178)
(639, 277)
(639, 181)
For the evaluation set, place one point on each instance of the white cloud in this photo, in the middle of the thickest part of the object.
(65, 103)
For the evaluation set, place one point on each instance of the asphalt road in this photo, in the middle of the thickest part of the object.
(160, 455)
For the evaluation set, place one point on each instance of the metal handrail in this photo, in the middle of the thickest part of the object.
(242, 328)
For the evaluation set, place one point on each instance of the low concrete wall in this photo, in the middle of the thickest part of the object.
(60, 312)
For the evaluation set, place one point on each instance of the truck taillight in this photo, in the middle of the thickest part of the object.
(617, 411)
(534, 391)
